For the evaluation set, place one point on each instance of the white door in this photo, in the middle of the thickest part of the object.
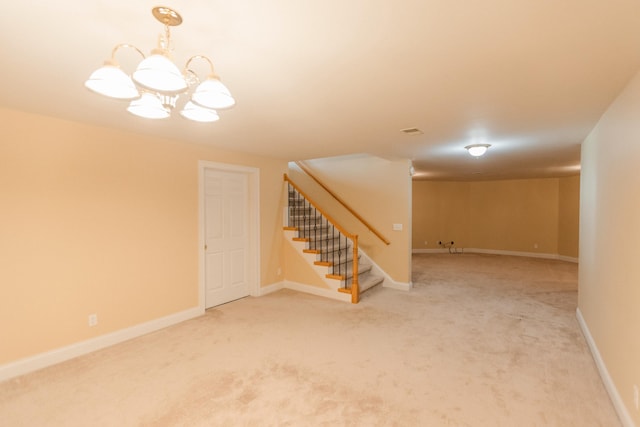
(226, 236)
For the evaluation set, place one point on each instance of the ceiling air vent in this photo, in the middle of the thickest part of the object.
(412, 131)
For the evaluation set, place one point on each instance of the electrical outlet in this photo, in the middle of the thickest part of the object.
(426, 243)
(535, 246)
(93, 320)
(636, 397)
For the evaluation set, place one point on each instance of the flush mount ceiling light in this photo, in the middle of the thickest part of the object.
(477, 150)
(154, 87)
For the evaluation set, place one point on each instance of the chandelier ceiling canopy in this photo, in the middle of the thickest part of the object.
(154, 87)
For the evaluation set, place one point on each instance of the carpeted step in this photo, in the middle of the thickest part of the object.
(328, 244)
(302, 218)
(322, 231)
(344, 271)
(366, 278)
(369, 282)
(345, 267)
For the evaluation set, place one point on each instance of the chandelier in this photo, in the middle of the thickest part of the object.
(154, 87)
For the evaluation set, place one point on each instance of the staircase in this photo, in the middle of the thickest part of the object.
(333, 247)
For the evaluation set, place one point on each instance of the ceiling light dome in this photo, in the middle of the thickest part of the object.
(477, 150)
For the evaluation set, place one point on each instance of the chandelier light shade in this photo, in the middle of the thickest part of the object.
(477, 150)
(197, 113)
(159, 74)
(157, 83)
(149, 106)
(212, 93)
(111, 81)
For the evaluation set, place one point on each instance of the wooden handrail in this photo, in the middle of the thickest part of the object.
(355, 286)
(322, 211)
(343, 203)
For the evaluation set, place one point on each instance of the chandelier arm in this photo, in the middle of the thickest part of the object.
(187, 69)
(121, 45)
(191, 77)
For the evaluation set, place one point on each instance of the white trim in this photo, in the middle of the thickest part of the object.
(49, 358)
(429, 251)
(511, 253)
(618, 403)
(253, 175)
(496, 252)
(568, 258)
(314, 290)
(307, 289)
(274, 287)
(392, 284)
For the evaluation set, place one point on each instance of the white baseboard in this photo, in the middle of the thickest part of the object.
(568, 258)
(496, 252)
(308, 289)
(49, 358)
(619, 405)
(274, 287)
(429, 251)
(401, 286)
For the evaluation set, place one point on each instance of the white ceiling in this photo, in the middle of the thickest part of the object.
(324, 78)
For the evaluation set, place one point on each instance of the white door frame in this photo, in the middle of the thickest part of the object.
(253, 177)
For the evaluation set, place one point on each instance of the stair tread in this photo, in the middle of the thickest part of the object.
(369, 282)
(348, 272)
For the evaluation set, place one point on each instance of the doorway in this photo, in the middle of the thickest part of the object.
(229, 233)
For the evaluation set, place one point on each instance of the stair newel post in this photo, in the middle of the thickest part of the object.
(355, 288)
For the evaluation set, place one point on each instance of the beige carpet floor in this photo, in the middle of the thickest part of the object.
(482, 340)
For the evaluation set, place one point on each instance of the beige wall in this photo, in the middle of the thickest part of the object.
(525, 215)
(440, 213)
(298, 270)
(380, 191)
(609, 289)
(98, 221)
(569, 216)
